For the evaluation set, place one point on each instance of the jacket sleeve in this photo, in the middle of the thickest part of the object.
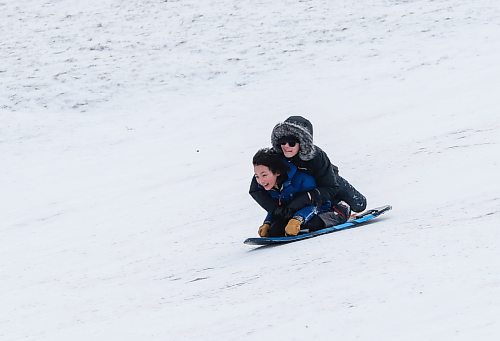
(299, 201)
(305, 196)
(269, 218)
(261, 196)
(326, 175)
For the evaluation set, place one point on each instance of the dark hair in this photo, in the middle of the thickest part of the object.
(272, 160)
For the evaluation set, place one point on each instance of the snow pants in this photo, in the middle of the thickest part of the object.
(350, 195)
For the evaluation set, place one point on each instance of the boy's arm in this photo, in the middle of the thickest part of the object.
(325, 175)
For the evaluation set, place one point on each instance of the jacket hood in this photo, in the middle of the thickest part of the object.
(300, 128)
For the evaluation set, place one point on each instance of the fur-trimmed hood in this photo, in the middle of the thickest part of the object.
(300, 128)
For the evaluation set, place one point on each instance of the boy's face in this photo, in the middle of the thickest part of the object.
(265, 177)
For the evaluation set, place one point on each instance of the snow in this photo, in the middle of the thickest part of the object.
(126, 136)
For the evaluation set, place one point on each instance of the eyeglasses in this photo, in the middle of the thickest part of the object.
(291, 143)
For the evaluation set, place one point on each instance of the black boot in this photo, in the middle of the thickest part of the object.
(343, 211)
(339, 214)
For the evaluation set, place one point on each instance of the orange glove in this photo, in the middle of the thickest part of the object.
(293, 227)
(263, 230)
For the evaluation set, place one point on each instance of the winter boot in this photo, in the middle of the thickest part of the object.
(342, 211)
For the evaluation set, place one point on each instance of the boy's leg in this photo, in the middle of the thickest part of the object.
(315, 223)
(277, 228)
(350, 195)
(326, 219)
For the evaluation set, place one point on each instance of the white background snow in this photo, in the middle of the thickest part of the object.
(127, 130)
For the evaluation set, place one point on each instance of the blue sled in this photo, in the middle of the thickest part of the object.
(360, 219)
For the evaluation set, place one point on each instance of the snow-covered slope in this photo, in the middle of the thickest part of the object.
(126, 136)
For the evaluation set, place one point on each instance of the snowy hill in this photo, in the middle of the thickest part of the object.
(126, 136)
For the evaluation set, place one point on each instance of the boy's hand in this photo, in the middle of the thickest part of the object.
(264, 230)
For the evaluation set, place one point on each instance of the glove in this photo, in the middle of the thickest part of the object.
(293, 227)
(282, 213)
(264, 230)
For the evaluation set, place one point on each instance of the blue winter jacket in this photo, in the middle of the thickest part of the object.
(297, 182)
